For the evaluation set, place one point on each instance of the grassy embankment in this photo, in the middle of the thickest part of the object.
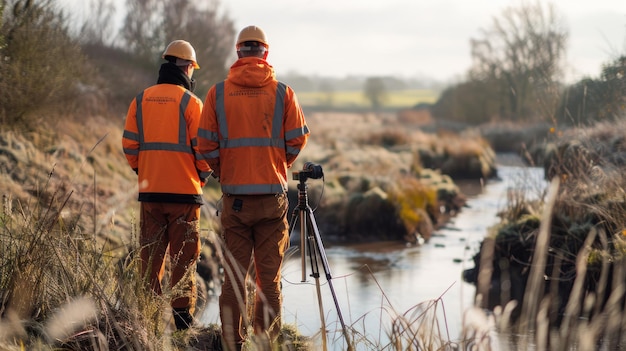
(553, 269)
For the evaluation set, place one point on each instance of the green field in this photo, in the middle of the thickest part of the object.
(343, 99)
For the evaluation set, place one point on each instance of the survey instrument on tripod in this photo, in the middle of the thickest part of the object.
(311, 244)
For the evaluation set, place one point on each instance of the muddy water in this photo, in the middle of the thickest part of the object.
(375, 282)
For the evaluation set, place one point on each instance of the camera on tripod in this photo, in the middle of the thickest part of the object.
(309, 170)
(311, 239)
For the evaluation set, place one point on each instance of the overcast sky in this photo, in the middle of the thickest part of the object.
(413, 37)
(409, 38)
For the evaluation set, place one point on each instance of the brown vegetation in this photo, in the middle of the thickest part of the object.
(563, 252)
(68, 219)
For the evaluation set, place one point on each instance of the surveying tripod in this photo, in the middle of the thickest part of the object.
(309, 234)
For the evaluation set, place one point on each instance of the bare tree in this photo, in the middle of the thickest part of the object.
(328, 92)
(375, 91)
(98, 29)
(521, 54)
(151, 24)
(143, 29)
(212, 36)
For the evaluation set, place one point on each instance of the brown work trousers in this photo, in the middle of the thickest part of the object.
(175, 227)
(260, 230)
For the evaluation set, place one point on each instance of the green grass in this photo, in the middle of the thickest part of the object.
(395, 99)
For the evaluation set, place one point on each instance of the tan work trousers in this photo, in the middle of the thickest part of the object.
(260, 230)
(175, 227)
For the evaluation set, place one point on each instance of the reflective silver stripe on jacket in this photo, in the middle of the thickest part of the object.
(253, 189)
(275, 140)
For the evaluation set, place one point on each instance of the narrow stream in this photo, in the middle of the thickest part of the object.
(374, 283)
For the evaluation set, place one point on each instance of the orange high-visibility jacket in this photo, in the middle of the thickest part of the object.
(252, 129)
(160, 142)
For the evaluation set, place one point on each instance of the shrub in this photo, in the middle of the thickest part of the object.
(39, 63)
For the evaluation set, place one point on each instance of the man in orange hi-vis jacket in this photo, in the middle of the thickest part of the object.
(160, 145)
(251, 132)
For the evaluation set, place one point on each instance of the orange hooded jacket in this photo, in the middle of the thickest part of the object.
(160, 143)
(252, 129)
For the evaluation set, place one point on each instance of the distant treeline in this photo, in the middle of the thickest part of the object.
(302, 83)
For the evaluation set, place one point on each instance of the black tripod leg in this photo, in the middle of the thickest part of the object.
(312, 247)
(316, 249)
(319, 246)
(314, 256)
(299, 213)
